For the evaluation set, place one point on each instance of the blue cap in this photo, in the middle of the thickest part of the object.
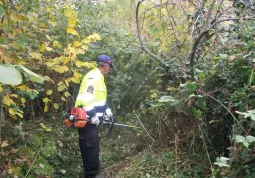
(104, 59)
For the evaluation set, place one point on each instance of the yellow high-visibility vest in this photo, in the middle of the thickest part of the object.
(93, 94)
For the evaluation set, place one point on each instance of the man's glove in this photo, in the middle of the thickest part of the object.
(95, 120)
(108, 112)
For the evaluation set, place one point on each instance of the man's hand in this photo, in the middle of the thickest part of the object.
(95, 120)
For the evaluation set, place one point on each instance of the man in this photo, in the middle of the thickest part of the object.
(92, 96)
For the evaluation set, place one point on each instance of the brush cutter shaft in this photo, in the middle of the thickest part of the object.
(122, 125)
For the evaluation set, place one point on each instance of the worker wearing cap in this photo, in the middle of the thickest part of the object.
(92, 96)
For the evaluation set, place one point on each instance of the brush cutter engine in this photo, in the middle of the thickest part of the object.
(76, 118)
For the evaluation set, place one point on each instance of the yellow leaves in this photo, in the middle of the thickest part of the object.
(56, 105)
(45, 127)
(61, 69)
(172, 89)
(48, 79)
(50, 64)
(214, 121)
(67, 94)
(13, 170)
(48, 48)
(4, 144)
(85, 47)
(76, 43)
(48, 37)
(72, 22)
(20, 17)
(64, 60)
(1, 89)
(49, 92)
(14, 95)
(84, 64)
(70, 50)
(42, 47)
(12, 111)
(72, 31)
(57, 44)
(63, 98)
(15, 45)
(77, 75)
(95, 37)
(91, 38)
(19, 114)
(46, 108)
(41, 166)
(54, 64)
(35, 91)
(1, 3)
(32, 17)
(15, 112)
(35, 55)
(3, 47)
(159, 81)
(15, 18)
(43, 25)
(164, 11)
(46, 100)
(27, 89)
(54, 24)
(23, 100)
(86, 41)
(154, 95)
(8, 101)
(22, 87)
(75, 80)
(61, 86)
(67, 81)
(80, 51)
(69, 12)
(71, 16)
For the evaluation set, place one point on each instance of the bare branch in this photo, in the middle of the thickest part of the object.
(193, 52)
(245, 18)
(209, 15)
(158, 5)
(140, 37)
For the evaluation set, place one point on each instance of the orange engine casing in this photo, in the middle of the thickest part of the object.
(80, 118)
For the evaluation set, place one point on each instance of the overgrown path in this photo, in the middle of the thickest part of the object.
(184, 72)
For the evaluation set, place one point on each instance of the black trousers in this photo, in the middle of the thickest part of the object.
(89, 147)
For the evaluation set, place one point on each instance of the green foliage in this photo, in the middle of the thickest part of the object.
(222, 162)
(44, 153)
(54, 40)
(163, 164)
(240, 151)
(250, 113)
